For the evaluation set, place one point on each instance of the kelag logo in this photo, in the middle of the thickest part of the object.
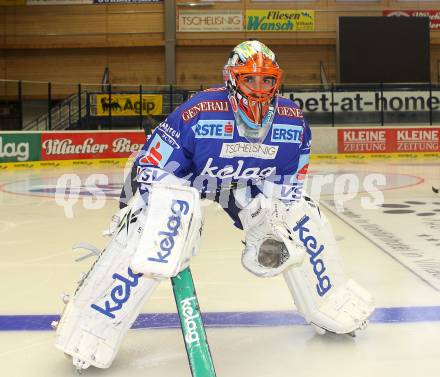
(286, 133)
(166, 245)
(214, 129)
(15, 147)
(191, 315)
(314, 250)
(120, 293)
(20, 151)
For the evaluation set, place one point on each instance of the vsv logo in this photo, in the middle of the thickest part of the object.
(166, 245)
(286, 133)
(291, 192)
(314, 251)
(119, 294)
(214, 129)
(151, 175)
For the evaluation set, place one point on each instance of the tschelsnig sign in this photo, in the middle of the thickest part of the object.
(212, 21)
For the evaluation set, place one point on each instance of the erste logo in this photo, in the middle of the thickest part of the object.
(286, 133)
(153, 157)
(302, 173)
(158, 152)
(214, 129)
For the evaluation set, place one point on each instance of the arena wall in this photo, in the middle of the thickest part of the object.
(50, 149)
(74, 43)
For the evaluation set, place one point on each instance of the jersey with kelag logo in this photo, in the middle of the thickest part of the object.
(201, 142)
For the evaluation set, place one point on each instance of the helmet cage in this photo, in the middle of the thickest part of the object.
(254, 84)
(260, 86)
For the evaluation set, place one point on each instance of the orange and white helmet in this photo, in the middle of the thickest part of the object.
(253, 79)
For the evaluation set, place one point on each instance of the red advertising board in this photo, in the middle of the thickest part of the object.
(434, 16)
(388, 140)
(87, 145)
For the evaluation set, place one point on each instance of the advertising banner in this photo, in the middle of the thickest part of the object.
(389, 140)
(128, 104)
(192, 21)
(388, 101)
(434, 16)
(58, 2)
(87, 145)
(412, 1)
(124, 1)
(291, 1)
(20, 147)
(281, 20)
(359, 1)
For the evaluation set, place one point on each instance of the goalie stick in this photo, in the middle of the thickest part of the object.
(193, 331)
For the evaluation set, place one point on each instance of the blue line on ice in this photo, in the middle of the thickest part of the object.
(228, 319)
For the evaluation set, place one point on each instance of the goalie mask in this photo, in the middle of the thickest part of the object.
(253, 78)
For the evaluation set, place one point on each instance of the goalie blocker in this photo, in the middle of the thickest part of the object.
(152, 242)
(298, 242)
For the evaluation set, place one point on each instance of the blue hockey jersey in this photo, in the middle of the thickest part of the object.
(200, 142)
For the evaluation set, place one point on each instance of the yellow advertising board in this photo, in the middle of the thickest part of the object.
(128, 104)
(280, 20)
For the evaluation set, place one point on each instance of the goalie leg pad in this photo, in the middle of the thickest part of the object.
(108, 299)
(92, 333)
(322, 292)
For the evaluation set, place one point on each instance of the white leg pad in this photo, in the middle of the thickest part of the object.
(345, 310)
(322, 292)
(94, 339)
(108, 300)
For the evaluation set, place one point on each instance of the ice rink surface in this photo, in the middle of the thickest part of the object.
(252, 327)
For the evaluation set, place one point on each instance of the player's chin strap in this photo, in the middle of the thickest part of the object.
(309, 261)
